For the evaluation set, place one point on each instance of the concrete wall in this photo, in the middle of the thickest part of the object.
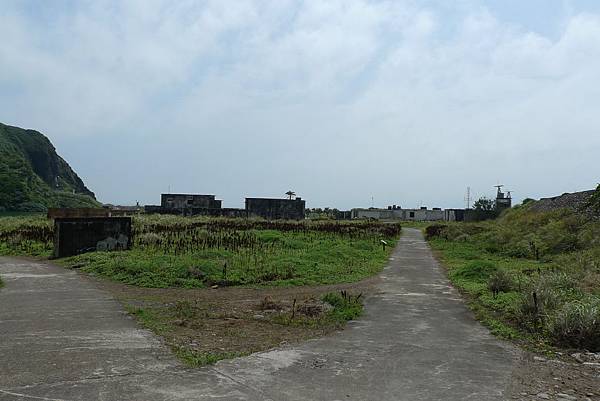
(274, 209)
(55, 213)
(399, 214)
(73, 236)
(184, 201)
(454, 214)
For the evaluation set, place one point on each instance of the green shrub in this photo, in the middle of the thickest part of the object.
(476, 270)
(577, 325)
(500, 281)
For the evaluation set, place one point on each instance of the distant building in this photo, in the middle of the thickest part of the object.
(275, 208)
(189, 201)
(207, 205)
(503, 201)
(396, 213)
(186, 205)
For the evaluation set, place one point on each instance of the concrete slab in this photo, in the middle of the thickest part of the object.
(63, 339)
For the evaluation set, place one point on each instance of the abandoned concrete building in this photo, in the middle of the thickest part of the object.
(189, 201)
(396, 213)
(207, 205)
(185, 204)
(503, 201)
(275, 208)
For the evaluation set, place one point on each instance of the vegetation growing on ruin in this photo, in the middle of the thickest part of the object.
(529, 275)
(170, 251)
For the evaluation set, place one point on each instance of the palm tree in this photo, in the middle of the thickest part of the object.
(290, 193)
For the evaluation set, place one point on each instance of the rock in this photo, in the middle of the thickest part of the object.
(543, 396)
(259, 317)
(593, 364)
(312, 308)
(566, 396)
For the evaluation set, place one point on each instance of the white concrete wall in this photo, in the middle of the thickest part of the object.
(398, 214)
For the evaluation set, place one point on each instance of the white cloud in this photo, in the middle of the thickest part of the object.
(338, 98)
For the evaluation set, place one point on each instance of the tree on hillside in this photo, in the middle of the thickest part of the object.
(484, 204)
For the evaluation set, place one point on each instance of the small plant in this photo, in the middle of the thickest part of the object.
(196, 359)
(345, 305)
(185, 310)
(500, 281)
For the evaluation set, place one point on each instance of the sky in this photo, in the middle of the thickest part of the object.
(349, 103)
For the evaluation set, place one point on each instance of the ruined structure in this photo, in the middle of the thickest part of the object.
(73, 236)
(397, 213)
(503, 201)
(186, 205)
(207, 205)
(274, 208)
(189, 201)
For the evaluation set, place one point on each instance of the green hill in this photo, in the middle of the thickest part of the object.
(34, 177)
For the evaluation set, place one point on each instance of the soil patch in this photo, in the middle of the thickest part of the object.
(207, 324)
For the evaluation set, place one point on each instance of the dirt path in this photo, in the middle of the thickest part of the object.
(62, 338)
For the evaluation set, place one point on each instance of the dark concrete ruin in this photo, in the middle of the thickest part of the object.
(187, 205)
(74, 236)
(274, 208)
(207, 205)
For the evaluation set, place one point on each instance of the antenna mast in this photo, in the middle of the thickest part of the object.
(468, 198)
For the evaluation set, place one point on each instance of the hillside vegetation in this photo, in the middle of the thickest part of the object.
(34, 177)
(533, 275)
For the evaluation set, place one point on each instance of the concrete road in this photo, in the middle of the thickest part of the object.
(63, 339)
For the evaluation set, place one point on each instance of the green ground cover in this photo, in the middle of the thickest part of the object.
(529, 275)
(171, 251)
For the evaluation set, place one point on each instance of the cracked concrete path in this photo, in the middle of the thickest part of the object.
(63, 339)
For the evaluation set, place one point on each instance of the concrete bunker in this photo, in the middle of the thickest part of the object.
(74, 236)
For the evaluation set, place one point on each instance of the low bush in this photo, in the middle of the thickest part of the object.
(500, 281)
(534, 308)
(577, 325)
(476, 270)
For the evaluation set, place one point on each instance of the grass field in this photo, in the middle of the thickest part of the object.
(171, 251)
(529, 276)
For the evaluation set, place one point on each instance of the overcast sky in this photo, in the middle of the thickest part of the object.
(407, 102)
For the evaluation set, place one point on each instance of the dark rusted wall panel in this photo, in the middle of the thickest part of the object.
(73, 236)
